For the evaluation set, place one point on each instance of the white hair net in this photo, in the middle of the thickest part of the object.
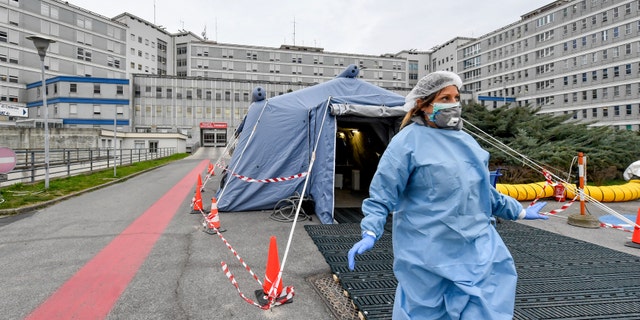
(430, 84)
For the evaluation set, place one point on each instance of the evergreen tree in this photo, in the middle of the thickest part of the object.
(553, 142)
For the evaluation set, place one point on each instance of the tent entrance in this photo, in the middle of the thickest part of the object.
(360, 142)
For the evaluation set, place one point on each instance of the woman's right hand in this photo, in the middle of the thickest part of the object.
(360, 247)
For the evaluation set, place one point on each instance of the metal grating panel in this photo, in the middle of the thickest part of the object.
(558, 277)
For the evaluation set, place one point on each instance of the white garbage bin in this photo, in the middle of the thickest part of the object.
(338, 181)
(355, 180)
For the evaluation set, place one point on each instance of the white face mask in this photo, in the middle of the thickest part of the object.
(447, 115)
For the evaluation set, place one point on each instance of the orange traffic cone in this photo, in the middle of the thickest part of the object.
(199, 182)
(270, 276)
(197, 201)
(635, 238)
(212, 221)
(211, 171)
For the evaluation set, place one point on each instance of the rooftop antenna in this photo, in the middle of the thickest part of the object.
(216, 30)
(154, 11)
(294, 31)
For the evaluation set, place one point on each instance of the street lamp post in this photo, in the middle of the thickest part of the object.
(115, 140)
(42, 44)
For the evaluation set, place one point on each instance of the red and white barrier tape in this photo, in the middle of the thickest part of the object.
(235, 253)
(563, 208)
(285, 296)
(248, 179)
(617, 227)
(229, 275)
(549, 182)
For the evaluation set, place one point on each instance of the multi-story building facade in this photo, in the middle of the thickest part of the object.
(445, 56)
(579, 57)
(417, 64)
(148, 46)
(214, 81)
(86, 45)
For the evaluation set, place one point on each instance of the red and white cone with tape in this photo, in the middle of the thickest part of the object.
(196, 201)
(212, 221)
(271, 291)
(200, 183)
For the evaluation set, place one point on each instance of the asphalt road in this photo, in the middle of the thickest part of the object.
(134, 250)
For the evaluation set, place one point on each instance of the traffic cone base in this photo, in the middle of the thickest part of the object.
(271, 274)
(263, 299)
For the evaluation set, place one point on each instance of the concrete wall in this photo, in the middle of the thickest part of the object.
(33, 138)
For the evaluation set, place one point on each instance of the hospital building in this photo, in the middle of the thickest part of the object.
(578, 57)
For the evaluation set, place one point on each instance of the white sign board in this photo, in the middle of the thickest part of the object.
(13, 111)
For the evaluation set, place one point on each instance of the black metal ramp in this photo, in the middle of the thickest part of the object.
(558, 277)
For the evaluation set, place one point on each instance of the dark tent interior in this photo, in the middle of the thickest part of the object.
(360, 142)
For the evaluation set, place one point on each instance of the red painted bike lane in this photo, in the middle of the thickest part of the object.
(93, 291)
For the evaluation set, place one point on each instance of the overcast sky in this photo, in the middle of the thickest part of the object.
(347, 26)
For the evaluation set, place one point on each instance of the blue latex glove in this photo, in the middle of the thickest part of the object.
(533, 212)
(360, 247)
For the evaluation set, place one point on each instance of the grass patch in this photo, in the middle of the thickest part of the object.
(26, 194)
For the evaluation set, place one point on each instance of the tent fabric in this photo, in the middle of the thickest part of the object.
(279, 135)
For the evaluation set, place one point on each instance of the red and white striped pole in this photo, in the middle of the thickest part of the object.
(582, 179)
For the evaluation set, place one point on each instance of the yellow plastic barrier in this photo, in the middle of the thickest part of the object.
(526, 192)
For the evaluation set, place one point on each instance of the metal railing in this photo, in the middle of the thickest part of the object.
(30, 163)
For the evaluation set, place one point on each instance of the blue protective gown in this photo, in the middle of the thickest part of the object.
(449, 260)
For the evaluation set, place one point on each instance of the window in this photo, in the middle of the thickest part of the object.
(96, 109)
(119, 89)
(96, 88)
(73, 87)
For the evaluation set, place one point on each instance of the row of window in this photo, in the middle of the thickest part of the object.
(602, 35)
(296, 58)
(607, 112)
(569, 63)
(602, 74)
(73, 88)
(549, 18)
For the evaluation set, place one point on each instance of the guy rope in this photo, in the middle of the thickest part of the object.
(477, 132)
(288, 293)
